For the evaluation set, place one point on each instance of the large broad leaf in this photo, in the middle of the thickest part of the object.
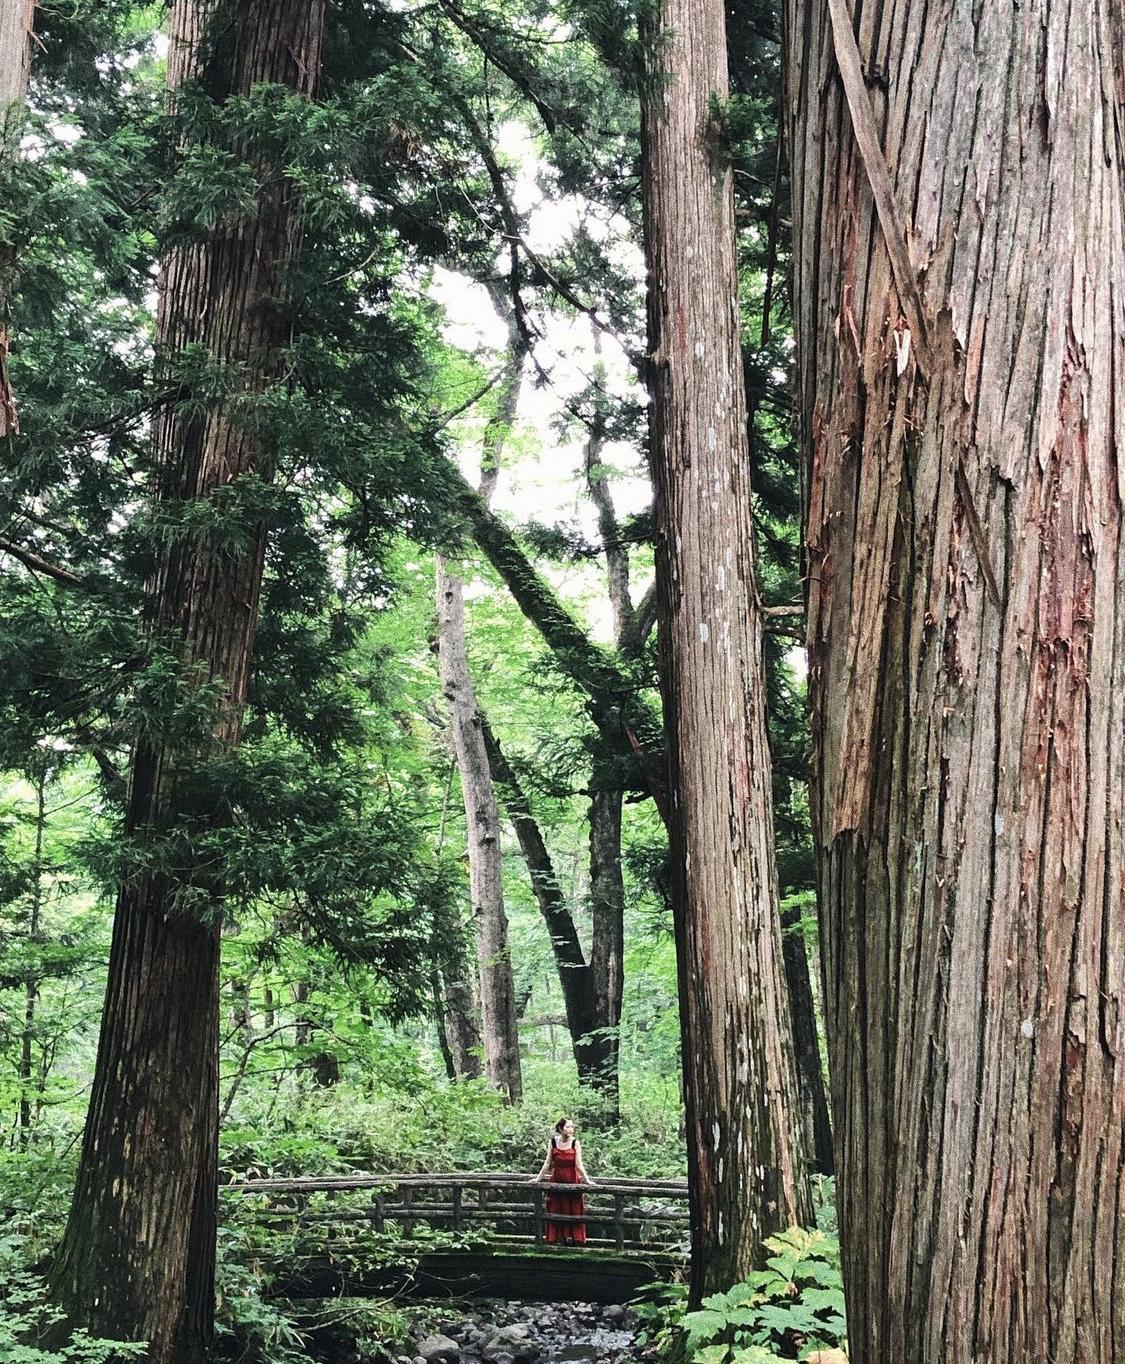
(703, 1325)
(711, 1354)
(779, 1320)
(824, 1299)
(755, 1354)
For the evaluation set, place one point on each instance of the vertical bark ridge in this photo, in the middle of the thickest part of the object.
(137, 1257)
(745, 1142)
(967, 796)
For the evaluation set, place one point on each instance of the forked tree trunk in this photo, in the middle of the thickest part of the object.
(499, 1034)
(16, 20)
(745, 1143)
(967, 661)
(137, 1257)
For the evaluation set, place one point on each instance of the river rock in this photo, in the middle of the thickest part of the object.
(512, 1344)
(439, 1350)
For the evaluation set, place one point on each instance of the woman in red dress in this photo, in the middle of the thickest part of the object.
(563, 1165)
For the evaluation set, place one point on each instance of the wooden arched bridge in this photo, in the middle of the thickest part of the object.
(461, 1234)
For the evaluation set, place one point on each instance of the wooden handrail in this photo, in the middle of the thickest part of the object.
(664, 1188)
(397, 1200)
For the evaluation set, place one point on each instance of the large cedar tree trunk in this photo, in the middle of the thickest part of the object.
(967, 653)
(745, 1144)
(499, 1033)
(16, 19)
(137, 1257)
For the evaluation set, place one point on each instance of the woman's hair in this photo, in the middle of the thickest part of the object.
(562, 1122)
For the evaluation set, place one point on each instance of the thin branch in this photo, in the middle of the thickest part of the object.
(469, 402)
(241, 1071)
(38, 564)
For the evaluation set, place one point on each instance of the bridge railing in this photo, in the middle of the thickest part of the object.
(623, 1214)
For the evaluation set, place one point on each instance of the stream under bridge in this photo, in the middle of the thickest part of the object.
(459, 1234)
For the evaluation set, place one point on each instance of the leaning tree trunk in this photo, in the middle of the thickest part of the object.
(16, 20)
(961, 322)
(745, 1145)
(137, 1257)
(499, 1033)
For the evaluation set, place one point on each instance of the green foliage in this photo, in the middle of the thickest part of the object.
(789, 1308)
(26, 1318)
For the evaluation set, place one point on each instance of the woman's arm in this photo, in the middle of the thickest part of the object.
(545, 1169)
(582, 1175)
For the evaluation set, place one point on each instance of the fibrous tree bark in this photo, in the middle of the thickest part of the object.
(17, 18)
(811, 1088)
(499, 1034)
(137, 1258)
(960, 306)
(745, 1141)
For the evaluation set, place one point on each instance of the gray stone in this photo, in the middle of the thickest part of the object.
(511, 1344)
(439, 1349)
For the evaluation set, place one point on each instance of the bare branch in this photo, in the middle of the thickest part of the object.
(38, 564)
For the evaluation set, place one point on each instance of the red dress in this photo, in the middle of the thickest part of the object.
(564, 1170)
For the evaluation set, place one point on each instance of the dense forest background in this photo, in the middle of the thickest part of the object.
(467, 312)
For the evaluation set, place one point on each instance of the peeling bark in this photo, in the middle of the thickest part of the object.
(961, 351)
(745, 1143)
(137, 1258)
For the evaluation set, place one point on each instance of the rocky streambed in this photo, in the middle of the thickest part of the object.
(531, 1333)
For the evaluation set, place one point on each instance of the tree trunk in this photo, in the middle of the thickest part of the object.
(136, 1261)
(31, 989)
(16, 20)
(455, 1014)
(575, 977)
(962, 345)
(806, 1048)
(482, 828)
(745, 1144)
(607, 942)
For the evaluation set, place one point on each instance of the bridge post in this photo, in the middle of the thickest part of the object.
(456, 1207)
(407, 1192)
(538, 1216)
(619, 1219)
(379, 1212)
